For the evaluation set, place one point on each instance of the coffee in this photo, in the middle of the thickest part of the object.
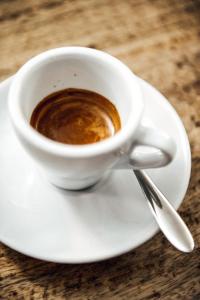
(76, 116)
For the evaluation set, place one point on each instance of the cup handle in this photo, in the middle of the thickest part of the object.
(152, 149)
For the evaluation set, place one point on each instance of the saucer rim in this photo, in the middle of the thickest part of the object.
(5, 84)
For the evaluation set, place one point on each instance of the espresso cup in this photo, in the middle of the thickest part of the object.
(136, 145)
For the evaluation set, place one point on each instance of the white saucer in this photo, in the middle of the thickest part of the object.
(111, 218)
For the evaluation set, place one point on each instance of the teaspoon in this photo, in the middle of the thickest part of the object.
(169, 221)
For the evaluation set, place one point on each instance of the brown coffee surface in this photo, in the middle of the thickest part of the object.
(76, 116)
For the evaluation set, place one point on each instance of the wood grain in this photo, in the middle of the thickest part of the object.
(160, 41)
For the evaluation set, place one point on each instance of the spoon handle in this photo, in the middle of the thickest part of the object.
(166, 216)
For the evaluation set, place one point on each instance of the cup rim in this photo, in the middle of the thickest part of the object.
(65, 150)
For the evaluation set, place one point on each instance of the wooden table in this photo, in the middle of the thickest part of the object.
(160, 41)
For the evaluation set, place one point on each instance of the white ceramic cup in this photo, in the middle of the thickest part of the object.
(75, 167)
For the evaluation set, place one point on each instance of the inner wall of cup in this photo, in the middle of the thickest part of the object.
(49, 76)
